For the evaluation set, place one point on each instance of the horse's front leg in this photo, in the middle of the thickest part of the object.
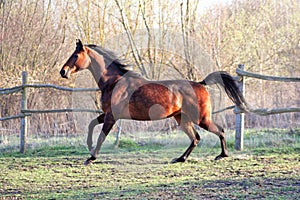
(93, 123)
(108, 124)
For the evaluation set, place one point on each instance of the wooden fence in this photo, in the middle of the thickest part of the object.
(240, 117)
(25, 112)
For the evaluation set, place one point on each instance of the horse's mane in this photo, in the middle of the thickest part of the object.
(111, 58)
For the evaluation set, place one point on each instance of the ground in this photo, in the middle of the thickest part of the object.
(143, 171)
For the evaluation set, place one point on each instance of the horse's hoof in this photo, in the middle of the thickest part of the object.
(177, 160)
(219, 157)
(89, 161)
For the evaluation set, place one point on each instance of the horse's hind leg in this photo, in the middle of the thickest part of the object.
(219, 131)
(188, 127)
(93, 123)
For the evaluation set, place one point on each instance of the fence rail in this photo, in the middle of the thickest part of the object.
(20, 88)
(62, 110)
(13, 117)
(25, 112)
(243, 73)
(266, 111)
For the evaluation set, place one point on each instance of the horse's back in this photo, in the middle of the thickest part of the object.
(140, 99)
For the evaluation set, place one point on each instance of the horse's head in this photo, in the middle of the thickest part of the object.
(78, 60)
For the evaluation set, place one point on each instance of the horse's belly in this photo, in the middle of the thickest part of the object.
(150, 101)
(155, 112)
(149, 109)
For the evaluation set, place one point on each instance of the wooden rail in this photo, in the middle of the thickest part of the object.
(20, 88)
(61, 110)
(243, 73)
(266, 111)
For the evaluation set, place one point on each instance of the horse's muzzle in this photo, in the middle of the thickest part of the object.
(64, 73)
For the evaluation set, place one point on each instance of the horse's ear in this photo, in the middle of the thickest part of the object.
(79, 45)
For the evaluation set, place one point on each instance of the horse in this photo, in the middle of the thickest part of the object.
(127, 95)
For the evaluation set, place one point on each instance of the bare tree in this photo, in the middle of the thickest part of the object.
(31, 37)
(134, 48)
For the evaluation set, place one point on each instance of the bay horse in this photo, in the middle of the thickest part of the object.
(127, 95)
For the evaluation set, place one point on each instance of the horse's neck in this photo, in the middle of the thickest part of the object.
(102, 75)
(97, 67)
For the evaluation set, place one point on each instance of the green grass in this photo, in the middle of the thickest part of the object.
(140, 169)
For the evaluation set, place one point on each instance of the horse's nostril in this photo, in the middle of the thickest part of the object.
(63, 73)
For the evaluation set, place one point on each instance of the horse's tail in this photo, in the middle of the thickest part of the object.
(230, 85)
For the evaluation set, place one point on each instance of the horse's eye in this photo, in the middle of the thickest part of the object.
(76, 56)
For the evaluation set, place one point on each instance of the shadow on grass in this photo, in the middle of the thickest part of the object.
(245, 188)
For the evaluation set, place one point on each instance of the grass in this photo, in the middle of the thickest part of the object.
(140, 169)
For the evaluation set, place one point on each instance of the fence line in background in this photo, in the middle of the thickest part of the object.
(25, 112)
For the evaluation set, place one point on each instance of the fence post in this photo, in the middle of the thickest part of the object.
(23, 132)
(240, 117)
